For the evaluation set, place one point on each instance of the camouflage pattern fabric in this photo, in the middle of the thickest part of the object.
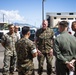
(10, 55)
(44, 40)
(44, 43)
(9, 41)
(41, 59)
(25, 59)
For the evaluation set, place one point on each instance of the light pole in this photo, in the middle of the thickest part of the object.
(3, 17)
(43, 10)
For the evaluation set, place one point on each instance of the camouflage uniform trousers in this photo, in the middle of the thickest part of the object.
(41, 59)
(26, 69)
(9, 64)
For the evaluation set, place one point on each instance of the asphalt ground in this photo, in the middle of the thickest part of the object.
(34, 60)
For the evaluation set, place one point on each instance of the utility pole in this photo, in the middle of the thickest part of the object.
(3, 17)
(43, 10)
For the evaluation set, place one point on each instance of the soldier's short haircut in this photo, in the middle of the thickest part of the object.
(25, 29)
(64, 23)
(10, 25)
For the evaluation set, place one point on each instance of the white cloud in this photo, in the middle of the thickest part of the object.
(11, 16)
(14, 16)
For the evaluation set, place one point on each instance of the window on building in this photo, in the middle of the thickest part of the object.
(54, 17)
(58, 13)
(70, 18)
(63, 18)
(71, 13)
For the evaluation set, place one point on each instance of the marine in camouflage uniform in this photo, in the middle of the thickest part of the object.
(44, 38)
(8, 41)
(24, 49)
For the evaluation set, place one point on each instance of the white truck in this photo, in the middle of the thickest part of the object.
(3, 29)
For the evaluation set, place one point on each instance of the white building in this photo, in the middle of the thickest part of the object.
(54, 18)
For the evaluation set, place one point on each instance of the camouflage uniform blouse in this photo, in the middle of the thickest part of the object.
(44, 40)
(23, 48)
(9, 43)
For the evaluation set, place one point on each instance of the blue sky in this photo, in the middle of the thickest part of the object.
(31, 10)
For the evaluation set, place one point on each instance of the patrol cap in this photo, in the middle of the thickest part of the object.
(64, 23)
